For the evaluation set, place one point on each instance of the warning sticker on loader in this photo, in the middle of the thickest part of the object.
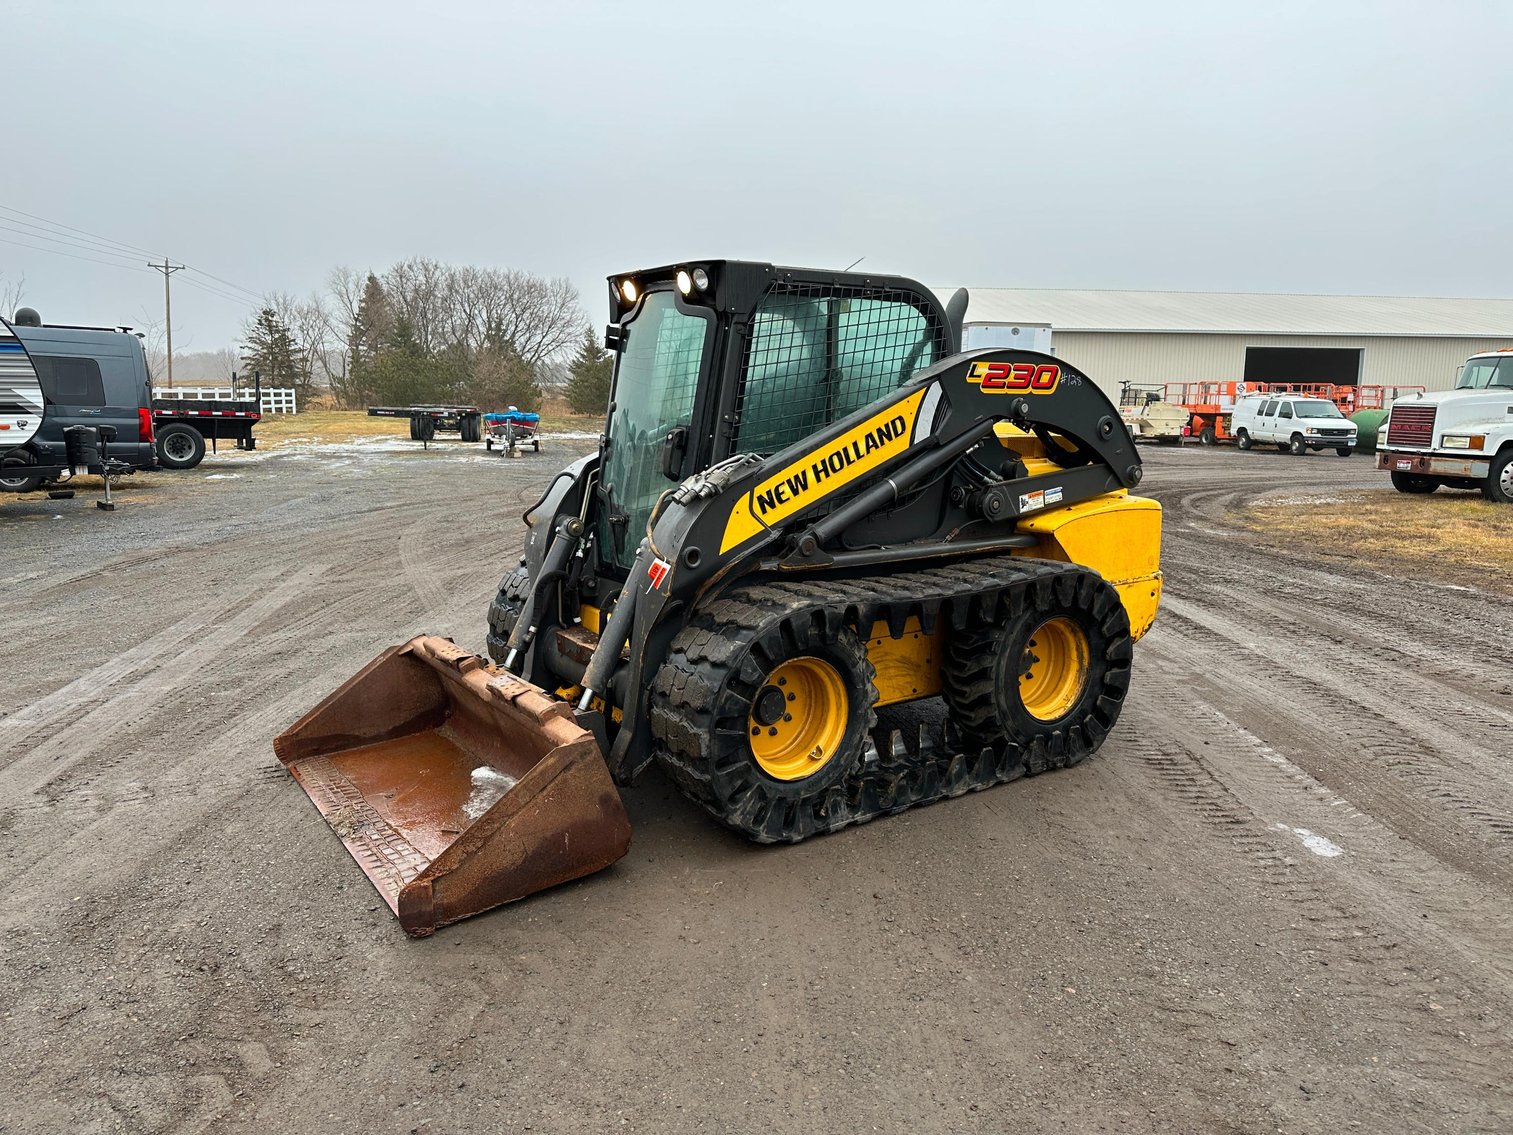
(657, 573)
(817, 474)
(1029, 502)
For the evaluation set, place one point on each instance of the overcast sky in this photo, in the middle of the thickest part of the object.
(1324, 146)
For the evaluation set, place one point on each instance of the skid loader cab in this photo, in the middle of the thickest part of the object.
(717, 358)
(807, 508)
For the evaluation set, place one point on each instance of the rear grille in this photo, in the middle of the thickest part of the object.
(1412, 426)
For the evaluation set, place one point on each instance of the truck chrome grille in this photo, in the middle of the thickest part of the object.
(1412, 426)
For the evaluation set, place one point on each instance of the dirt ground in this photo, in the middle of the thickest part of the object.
(1280, 899)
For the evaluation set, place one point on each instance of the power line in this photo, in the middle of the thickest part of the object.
(103, 245)
(235, 287)
(68, 242)
(236, 299)
(58, 225)
(72, 256)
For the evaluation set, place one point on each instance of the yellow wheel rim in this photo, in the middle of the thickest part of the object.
(798, 718)
(1054, 670)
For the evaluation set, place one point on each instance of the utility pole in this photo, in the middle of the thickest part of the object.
(168, 270)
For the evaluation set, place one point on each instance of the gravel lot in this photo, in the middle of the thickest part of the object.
(1278, 900)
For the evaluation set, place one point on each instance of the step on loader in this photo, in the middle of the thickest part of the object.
(823, 567)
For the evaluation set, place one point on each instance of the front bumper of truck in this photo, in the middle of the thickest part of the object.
(1432, 464)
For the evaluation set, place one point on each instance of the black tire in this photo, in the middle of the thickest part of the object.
(535, 446)
(424, 426)
(1498, 487)
(1414, 483)
(983, 667)
(1344, 450)
(505, 609)
(180, 447)
(13, 480)
(716, 683)
(414, 428)
(9, 484)
(1207, 436)
(470, 430)
(1297, 446)
(1242, 440)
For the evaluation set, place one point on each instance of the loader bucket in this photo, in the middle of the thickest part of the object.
(455, 787)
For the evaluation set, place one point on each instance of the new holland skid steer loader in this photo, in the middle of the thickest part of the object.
(822, 568)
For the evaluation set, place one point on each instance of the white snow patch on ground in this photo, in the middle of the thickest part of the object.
(1322, 847)
(1305, 499)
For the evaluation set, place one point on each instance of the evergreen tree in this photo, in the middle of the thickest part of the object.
(501, 376)
(272, 350)
(520, 388)
(372, 327)
(399, 373)
(589, 376)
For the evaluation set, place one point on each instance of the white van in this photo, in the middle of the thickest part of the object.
(1292, 423)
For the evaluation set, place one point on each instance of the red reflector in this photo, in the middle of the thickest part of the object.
(144, 423)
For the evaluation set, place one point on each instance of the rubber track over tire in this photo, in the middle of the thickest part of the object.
(900, 769)
(973, 657)
(504, 610)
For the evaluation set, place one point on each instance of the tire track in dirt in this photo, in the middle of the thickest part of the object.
(1295, 708)
(93, 735)
(1256, 808)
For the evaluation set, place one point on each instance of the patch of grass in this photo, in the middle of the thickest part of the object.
(1445, 535)
(277, 430)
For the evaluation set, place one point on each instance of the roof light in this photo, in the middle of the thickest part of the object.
(701, 279)
(628, 290)
(685, 281)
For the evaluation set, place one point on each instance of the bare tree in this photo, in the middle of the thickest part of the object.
(208, 367)
(461, 305)
(344, 289)
(11, 294)
(310, 327)
(150, 329)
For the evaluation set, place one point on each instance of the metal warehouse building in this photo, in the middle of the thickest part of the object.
(1118, 336)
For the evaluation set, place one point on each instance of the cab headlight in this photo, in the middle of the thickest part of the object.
(1463, 441)
(628, 290)
(701, 279)
(684, 281)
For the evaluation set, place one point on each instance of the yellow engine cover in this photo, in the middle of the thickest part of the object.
(1118, 536)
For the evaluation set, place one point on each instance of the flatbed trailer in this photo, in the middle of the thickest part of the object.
(182, 426)
(427, 421)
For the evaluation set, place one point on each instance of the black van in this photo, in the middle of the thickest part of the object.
(90, 376)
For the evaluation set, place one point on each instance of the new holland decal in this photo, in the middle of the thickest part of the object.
(821, 472)
(1014, 378)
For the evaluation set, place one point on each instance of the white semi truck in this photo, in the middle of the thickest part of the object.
(1462, 438)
